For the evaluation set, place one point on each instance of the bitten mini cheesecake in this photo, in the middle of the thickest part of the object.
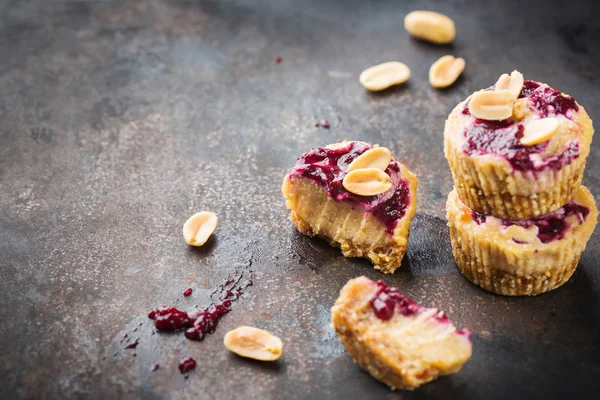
(525, 257)
(357, 197)
(517, 150)
(398, 341)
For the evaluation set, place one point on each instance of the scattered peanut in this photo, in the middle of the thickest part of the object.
(254, 343)
(491, 105)
(367, 182)
(430, 26)
(512, 83)
(539, 131)
(445, 71)
(384, 75)
(198, 228)
(379, 157)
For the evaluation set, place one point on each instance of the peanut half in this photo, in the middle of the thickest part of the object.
(367, 182)
(384, 75)
(198, 228)
(379, 157)
(254, 343)
(445, 71)
(539, 131)
(512, 83)
(430, 26)
(491, 105)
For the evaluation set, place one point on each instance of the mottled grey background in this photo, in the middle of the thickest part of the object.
(119, 119)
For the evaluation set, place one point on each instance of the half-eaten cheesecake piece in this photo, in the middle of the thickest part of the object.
(357, 197)
(396, 340)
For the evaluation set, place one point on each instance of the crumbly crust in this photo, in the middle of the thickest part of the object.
(488, 256)
(315, 213)
(403, 352)
(488, 183)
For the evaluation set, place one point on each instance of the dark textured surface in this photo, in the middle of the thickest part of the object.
(119, 119)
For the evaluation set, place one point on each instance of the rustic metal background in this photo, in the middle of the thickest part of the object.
(119, 119)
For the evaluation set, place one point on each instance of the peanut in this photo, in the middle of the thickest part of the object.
(198, 228)
(445, 71)
(539, 131)
(430, 26)
(379, 157)
(254, 343)
(491, 105)
(384, 75)
(512, 83)
(367, 182)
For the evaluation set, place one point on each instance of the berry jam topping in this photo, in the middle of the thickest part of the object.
(327, 167)
(202, 321)
(133, 345)
(187, 292)
(548, 101)
(501, 138)
(387, 300)
(187, 364)
(478, 218)
(155, 367)
(552, 226)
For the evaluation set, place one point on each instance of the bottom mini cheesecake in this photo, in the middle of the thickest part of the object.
(517, 258)
(396, 340)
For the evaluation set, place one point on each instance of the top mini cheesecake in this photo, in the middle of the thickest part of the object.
(356, 196)
(517, 150)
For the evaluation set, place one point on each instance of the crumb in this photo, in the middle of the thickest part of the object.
(323, 123)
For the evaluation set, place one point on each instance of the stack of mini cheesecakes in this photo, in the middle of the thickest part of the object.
(519, 217)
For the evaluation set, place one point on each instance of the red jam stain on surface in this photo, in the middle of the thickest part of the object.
(155, 367)
(187, 292)
(187, 364)
(278, 60)
(551, 227)
(133, 345)
(387, 300)
(327, 168)
(199, 322)
(501, 138)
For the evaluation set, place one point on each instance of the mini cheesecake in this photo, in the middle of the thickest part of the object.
(396, 340)
(526, 257)
(372, 226)
(497, 172)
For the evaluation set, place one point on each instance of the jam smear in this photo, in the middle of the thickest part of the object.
(547, 100)
(187, 292)
(478, 218)
(553, 226)
(387, 300)
(501, 138)
(155, 367)
(169, 318)
(199, 322)
(187, 364)
(278, 60)
(327, 167)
